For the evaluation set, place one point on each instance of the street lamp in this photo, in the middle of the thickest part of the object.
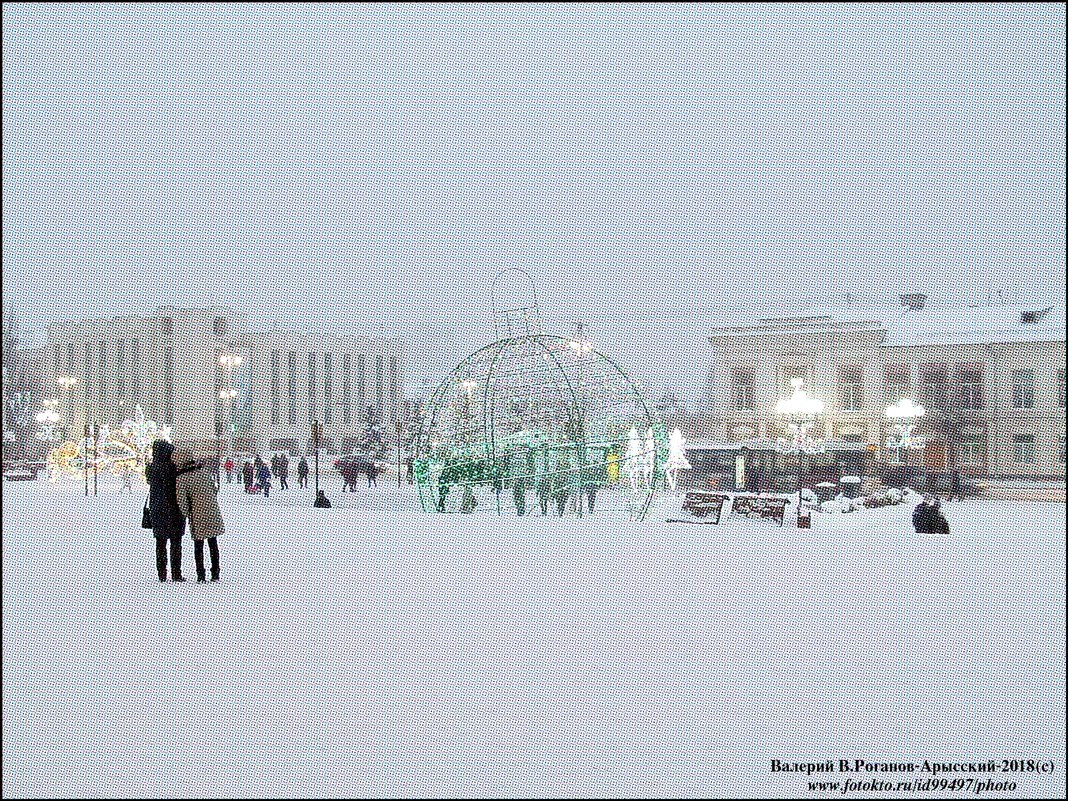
(902, 437)
(229, 362)
(800, 412)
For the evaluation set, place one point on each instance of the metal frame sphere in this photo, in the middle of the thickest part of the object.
(539, 425)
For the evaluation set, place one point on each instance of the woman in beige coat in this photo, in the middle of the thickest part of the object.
(198, 501)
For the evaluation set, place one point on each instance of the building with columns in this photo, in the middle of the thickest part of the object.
(991, 378)
(203, 372)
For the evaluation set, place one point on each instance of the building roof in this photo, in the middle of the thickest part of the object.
(931, 325)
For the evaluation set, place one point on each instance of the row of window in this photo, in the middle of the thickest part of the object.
(328, 406)
(934, 390)
(109, 371)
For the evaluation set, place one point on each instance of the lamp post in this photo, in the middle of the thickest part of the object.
(800, 412)
(902, 437)
(229, 362)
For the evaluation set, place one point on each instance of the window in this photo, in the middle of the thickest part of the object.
(897, 383)
(102, 376)
(276, 387)
(971, 387)
(970, 451)
(380, 400)
(361, 383)
(135, 370)
(120, 370)
(346, 388)
(1023, 389)
(1060, 389)
(394, 388)
(88, 376)
(851, 389)
(313, 401)
(1023, 448)
(742, 389)
(168, 384)
(291, 409)
(934, 386)
(328, 388)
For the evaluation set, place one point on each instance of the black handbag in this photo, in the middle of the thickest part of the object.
(146, 517)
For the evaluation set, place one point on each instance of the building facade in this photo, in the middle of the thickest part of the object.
(204, 373)
(992, 381)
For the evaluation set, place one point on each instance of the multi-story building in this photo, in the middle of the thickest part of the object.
(992, 380)
(345, 382)
(204, 373)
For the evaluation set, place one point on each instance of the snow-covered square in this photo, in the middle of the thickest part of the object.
(373, 649)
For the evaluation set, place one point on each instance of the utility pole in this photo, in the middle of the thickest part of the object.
(317, 432)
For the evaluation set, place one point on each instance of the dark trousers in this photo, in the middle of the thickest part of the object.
(561, 504)
(161, 556)
(591, 497)
(303, 481)
(198, 554)
(283, 481)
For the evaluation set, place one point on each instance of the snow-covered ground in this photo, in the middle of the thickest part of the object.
(373, 649)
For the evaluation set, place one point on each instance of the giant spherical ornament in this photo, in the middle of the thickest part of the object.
(535, 425)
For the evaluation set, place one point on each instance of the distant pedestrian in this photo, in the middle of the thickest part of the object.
(228, 465)
(955, 486)
(927, 517)
(372, 474)
(265, 479)
(302, 473)
(321, 501)
(246, 473)
(283, 471)
(198, 499)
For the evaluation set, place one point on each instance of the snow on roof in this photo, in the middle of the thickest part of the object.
(935, 325)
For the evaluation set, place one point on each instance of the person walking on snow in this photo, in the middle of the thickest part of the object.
(283, 472)
(228, 465)
(168, 524)
(265, 479)
(302, 473)
(246, 472)
(198, 499)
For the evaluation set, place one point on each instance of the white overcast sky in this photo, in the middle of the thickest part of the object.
(654, 167)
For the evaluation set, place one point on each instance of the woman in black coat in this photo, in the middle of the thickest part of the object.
(168, 524)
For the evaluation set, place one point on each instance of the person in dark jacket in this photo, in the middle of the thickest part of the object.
(955, 486)
(246, 473)
(283, 472)
(926, 516)
(264, 476)
(168, 524)
(302, 473)
(322, 502)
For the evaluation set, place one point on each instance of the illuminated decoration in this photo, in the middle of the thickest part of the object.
(676, 458)
(535, 421)
(800, 411)
(48, 420)
(902, 436)
(117, 452)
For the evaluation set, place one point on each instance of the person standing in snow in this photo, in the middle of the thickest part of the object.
(198, 499)
(283, 472)
(246, 472)
(228, 465)
(927, 517)
(302, 473)
(264, 476)
(168, 524)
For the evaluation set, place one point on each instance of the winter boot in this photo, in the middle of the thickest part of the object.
(179, 577)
